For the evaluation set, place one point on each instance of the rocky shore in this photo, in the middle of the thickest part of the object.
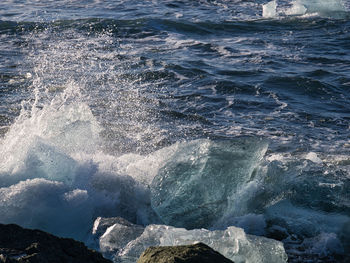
(19, 245)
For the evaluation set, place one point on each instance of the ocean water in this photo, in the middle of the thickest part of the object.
(245, 102)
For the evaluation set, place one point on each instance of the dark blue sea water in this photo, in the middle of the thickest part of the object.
(101, 102)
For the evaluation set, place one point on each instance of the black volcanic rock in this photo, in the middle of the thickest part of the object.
(28, 246)
(197, 253)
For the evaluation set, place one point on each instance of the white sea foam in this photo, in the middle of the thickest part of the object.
(43, 204)
(53, 172)
(306, 222)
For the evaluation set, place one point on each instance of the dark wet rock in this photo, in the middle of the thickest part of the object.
(197, 253)
(34, 246)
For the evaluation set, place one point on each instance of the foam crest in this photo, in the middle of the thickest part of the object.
(45, 141)
(40, 203)
(52, 166)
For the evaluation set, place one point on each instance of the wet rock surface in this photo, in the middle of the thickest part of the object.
(197, 253)
(28, 246)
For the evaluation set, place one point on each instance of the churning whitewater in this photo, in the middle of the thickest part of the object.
(224, 122)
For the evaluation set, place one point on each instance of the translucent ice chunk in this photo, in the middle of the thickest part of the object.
(200, 183)
(313, 158)
(233, 243)
(297, 9)
(329, 8)
(269, 9)
(322, 6)
(117, 235)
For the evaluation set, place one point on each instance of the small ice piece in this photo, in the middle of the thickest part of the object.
(233, 243)
(297, 9)
(312, 156)
(269, 9)
(102, 223)
(117, 235)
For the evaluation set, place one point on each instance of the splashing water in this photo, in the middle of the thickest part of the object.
(54, 175)
(101, 115)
